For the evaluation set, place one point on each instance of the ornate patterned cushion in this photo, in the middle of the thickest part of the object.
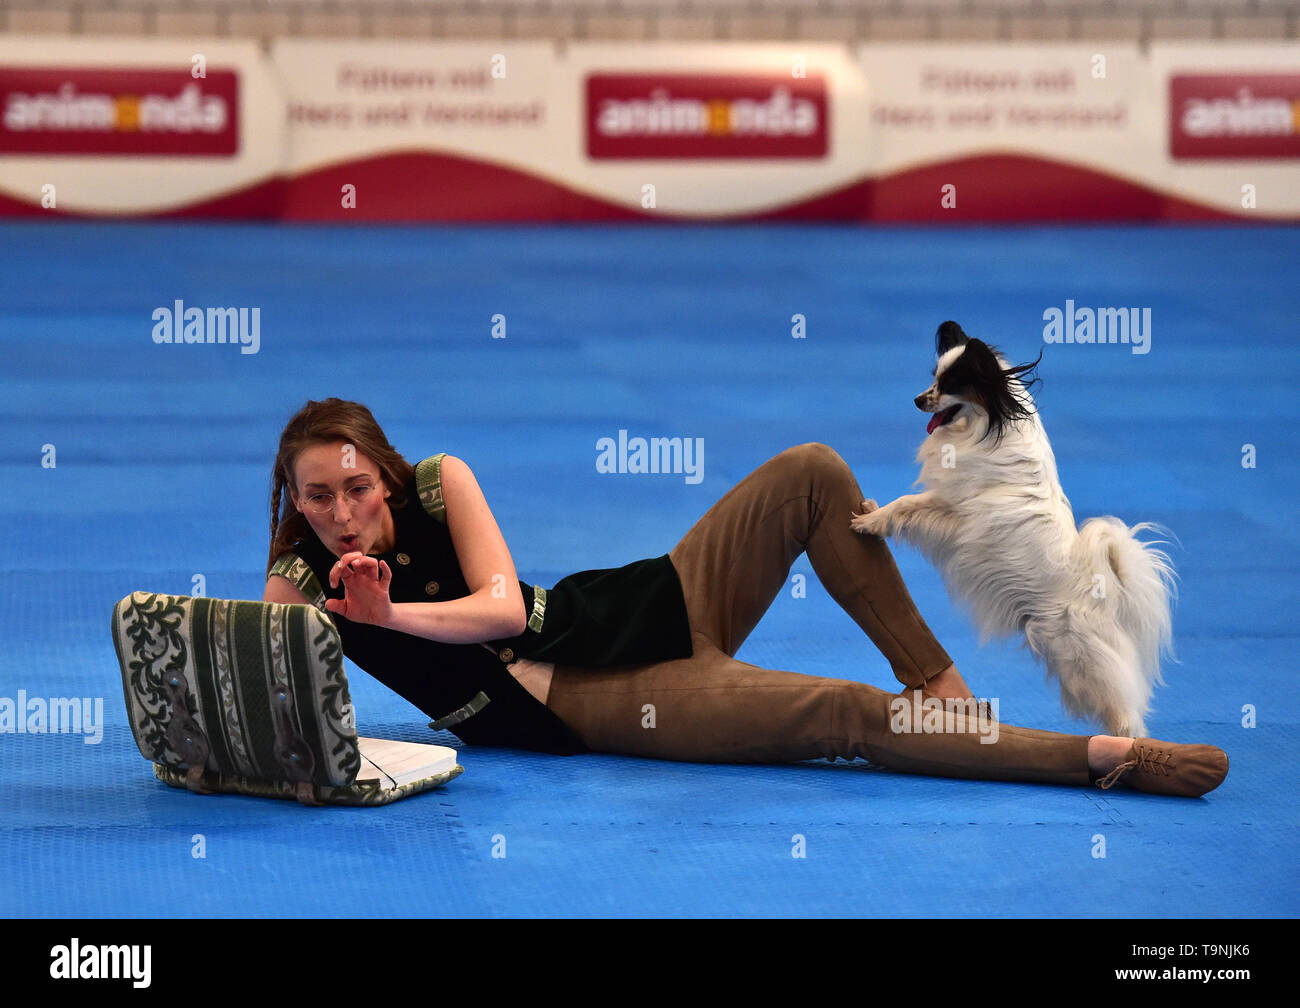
(247, 697)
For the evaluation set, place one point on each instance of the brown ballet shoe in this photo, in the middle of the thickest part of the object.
(1170, 768)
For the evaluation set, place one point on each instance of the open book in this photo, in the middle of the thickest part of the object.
(393, 763)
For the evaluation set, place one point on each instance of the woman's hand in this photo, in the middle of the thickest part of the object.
(365, 589)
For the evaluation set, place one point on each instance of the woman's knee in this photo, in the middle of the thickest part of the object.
(815, 457)
(820, 463)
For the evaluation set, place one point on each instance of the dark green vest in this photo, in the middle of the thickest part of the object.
(622, 616)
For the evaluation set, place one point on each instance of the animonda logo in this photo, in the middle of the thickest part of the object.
(118, 112)
(1234, 115)
(668, 115)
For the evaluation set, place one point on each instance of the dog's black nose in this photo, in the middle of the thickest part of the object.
(920, 401)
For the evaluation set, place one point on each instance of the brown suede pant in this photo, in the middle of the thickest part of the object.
(712, 708)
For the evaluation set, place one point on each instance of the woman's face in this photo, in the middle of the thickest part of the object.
(340, 492)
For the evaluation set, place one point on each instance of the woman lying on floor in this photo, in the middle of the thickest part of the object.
(639, 660)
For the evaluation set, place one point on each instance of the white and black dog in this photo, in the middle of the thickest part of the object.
(1092, 602)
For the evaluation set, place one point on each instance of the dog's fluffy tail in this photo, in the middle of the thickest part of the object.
(1133, 582)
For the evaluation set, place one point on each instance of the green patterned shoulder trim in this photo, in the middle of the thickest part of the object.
(428, 484)
(295, 568)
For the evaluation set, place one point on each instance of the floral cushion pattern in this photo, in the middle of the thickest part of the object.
(251, 697)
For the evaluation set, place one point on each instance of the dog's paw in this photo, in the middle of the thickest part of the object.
(868, 506)
(868, 524)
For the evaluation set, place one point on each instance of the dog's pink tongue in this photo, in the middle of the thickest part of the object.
(935, 419)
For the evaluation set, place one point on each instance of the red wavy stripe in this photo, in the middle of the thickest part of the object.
(258, 201)
(990, 187)
(423, 186)
(1015, 188)
(441, 187)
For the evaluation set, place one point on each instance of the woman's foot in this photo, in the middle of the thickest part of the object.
(1106, 752)
(1156, 767)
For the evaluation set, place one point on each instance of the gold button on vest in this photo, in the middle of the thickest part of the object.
(403, 559)
(507, 655)
(431, 588)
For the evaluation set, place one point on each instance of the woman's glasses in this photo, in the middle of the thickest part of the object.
(323, 503)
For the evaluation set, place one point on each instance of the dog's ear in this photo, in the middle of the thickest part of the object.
(949, 335)
(1004, 403)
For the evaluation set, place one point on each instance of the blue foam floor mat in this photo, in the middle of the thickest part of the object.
(161, 476)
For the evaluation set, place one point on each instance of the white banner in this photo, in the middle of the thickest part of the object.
(677, 131)
(1228, 132)
(1084, 104)
(718, 130)
(354, 100)
(1076, 131)
(132, 126)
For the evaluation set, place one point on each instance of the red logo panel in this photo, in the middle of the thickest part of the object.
(665, 115)
(1234, 115)
(118, 112)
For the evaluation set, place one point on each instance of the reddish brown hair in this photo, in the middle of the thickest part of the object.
(323, 423)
